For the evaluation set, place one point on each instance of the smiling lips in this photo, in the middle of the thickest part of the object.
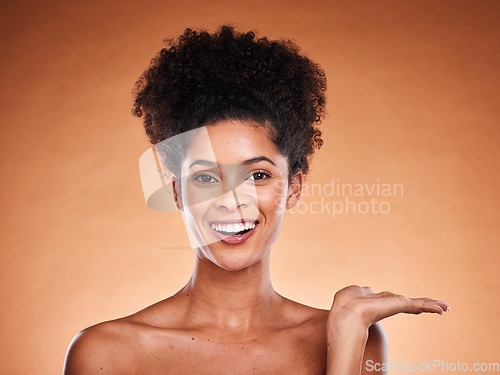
(234, 232)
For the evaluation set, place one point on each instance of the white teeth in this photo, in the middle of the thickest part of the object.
(249, 225)
(233, 228)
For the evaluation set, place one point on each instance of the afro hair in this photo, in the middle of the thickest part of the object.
(202, 78)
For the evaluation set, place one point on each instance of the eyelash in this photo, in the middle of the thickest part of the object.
(200, 175)
(260, 171)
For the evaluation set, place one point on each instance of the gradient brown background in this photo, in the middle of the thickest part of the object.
(413, 99)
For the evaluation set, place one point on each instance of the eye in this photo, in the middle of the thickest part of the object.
(205, 178)
(259, 175)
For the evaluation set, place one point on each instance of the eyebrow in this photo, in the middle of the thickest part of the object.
(246, 162)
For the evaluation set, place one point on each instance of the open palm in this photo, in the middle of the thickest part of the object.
(372, 307)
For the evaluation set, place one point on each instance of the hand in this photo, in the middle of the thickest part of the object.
(369, 307)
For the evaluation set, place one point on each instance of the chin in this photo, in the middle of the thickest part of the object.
(234, 266)
(232, 261)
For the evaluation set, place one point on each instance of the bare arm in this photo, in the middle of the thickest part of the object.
(354, 312)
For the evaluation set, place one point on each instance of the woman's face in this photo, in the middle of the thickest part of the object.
(234, 191)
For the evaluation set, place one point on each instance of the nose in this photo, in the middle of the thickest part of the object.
(236, 190)
(231, 201)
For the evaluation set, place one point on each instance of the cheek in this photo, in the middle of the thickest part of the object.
(195, 205)
(273, 197)
(197, 200)
(198, 210)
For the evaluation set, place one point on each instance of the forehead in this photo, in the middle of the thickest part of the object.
(232, 141)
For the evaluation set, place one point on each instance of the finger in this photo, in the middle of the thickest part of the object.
(420, 305)
(444, 306)
(389, 304)
(368, 289)
(437, 309)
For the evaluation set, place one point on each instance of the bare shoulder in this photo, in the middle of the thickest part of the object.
(102, 349)
(311, 328)
(304, 313)
(377, 341)
(375, 350)
(306, 320)
(112, 347)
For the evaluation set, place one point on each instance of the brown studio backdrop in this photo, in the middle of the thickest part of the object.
(412, 100)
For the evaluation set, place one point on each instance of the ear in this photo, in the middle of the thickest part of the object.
(176, 187)
(294, 190)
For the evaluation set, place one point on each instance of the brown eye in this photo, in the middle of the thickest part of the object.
(205, 178)
(260, 175)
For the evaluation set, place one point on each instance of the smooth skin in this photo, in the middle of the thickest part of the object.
(228, 319)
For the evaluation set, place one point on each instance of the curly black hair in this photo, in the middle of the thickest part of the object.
(202, 78)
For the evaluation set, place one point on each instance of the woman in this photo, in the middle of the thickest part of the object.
(234, 119)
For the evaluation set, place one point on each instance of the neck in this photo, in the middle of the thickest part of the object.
(238, 300)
